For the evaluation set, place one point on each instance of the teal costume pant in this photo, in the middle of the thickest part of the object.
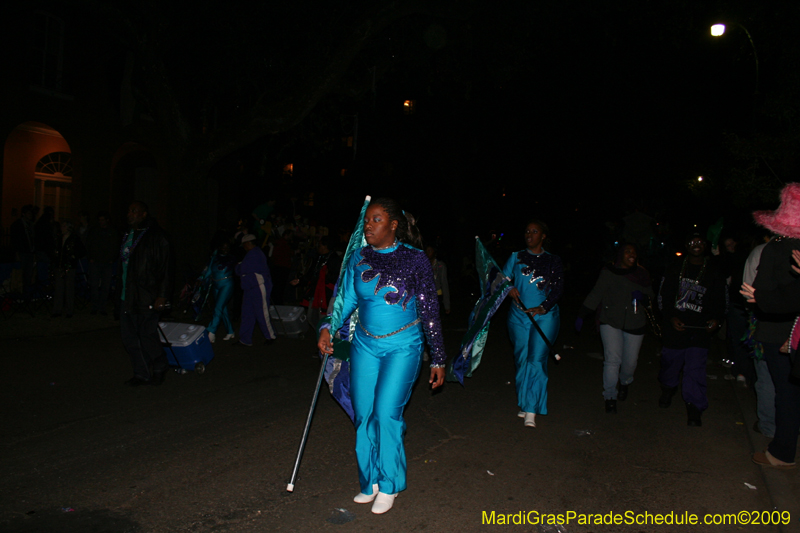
(223, 290)
(531, 356)
(382, 372)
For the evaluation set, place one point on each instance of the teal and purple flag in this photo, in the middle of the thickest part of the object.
(337, 365)
(494, 288)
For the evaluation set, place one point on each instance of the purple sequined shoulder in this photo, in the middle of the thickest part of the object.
(408, 271)
(393, 270)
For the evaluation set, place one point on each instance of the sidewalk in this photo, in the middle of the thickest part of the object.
(22, 325)
(783, 485)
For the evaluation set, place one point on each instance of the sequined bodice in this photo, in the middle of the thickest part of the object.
(538, 277)
(393, 288)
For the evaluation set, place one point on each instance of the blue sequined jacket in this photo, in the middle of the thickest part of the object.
(544, 270)
(391, 289)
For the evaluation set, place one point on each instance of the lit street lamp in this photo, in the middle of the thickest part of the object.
(717, 30)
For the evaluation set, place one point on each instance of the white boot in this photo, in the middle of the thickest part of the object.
(530, 420)
(522, 414)
(383, 503)
(228, 337)
(211, 337)
(366, 498)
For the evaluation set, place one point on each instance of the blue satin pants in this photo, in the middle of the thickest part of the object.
(382, 372)
(531, 357)
(223, 290)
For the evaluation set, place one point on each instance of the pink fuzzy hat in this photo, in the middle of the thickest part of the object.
(786, 219)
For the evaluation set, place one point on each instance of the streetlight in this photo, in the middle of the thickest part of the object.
(718, 30)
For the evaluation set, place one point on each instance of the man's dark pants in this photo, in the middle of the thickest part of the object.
(141, 340)
(100, 281)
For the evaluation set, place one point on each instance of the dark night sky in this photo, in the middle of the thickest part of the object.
(579, 105)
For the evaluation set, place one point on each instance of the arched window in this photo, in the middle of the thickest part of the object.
(54, 183)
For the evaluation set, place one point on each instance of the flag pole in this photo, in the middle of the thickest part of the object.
(301, 448)
(544, 337)
(336, 322)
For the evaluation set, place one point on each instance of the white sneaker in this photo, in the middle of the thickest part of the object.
(211, 337)
(228, 337)
(522, 414)
(366, 498)
(383, 503)
(530, 420)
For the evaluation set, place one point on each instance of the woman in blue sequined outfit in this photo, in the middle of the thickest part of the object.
(538, 285)
(391, 283)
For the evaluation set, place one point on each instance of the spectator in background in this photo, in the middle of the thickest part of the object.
(45, 233)
(765, 389)
(102, 246)
(281, 264)
(319, 281)
(24, 244)
(65, 267)
(82, 229)
(776, 313)
(440, 277)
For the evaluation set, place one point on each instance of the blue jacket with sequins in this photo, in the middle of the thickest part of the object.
(391, 289)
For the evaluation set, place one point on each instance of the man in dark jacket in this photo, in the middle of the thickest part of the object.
(143, 289)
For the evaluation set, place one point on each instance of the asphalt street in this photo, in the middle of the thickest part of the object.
(213, 452)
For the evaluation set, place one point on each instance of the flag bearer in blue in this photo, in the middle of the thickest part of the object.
(391, 283)
(257, 286)
(538, 285)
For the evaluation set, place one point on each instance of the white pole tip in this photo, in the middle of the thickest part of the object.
(290, 487)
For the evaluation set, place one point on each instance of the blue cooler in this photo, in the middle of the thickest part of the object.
(191, 349)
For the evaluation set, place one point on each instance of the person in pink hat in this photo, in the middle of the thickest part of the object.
(776, 312)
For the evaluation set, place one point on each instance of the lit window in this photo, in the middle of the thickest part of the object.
(53, 183)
